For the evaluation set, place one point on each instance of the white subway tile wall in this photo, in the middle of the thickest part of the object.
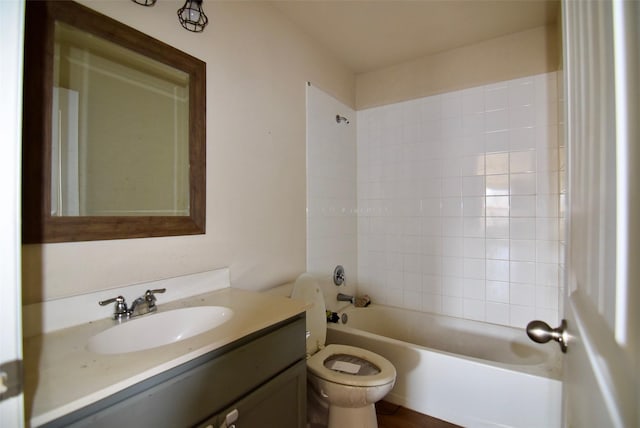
(460, 202)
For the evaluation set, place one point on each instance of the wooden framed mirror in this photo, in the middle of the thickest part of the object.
(113, 130)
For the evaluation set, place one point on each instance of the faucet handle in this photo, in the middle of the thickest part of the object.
(150, 297)
(120, 309)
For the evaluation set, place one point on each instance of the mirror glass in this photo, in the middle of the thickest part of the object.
(110, 157)
(114, 130)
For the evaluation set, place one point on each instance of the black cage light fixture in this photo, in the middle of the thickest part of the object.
(191, 15)
(145, 2)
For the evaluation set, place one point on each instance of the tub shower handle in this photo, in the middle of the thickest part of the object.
(541, 332)
(339, 276)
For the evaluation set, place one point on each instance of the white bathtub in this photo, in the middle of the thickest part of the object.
(469, 373)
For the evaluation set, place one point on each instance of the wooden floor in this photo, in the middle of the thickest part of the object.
(393, 416)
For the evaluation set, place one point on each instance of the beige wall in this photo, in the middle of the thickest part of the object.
(520, 54)
(257, 66)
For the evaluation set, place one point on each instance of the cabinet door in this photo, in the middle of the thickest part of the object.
(281, 402)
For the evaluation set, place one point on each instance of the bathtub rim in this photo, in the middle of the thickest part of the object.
(550, 369)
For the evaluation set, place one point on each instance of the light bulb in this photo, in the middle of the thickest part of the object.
(194, 15)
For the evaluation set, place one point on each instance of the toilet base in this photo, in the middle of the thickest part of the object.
(317, 409)
(353, 417)
(343, 406)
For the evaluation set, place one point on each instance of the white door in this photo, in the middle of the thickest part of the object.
(601, 51)
(11, 42)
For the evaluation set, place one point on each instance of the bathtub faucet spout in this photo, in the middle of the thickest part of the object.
(345, 298)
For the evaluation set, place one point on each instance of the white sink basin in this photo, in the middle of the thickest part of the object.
(158, 329)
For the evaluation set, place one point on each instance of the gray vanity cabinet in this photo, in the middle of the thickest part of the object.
(257, 381)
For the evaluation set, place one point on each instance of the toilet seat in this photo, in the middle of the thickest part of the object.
(315, 365)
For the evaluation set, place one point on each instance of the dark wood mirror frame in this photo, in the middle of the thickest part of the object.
(38, 226)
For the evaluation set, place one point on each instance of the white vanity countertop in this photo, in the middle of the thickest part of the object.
(62, 376)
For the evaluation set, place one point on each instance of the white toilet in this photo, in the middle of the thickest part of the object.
(347, 379)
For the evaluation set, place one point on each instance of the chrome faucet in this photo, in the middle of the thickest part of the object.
(345, 298)
(140, 306)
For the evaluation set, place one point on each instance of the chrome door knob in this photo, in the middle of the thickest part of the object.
(541, 332)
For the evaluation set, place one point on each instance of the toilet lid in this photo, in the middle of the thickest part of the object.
(306, 288)
(348, 365)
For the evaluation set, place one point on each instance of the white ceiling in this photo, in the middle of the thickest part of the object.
(368, 35)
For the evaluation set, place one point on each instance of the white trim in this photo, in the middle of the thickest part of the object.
(622, 170)
(11, 46)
